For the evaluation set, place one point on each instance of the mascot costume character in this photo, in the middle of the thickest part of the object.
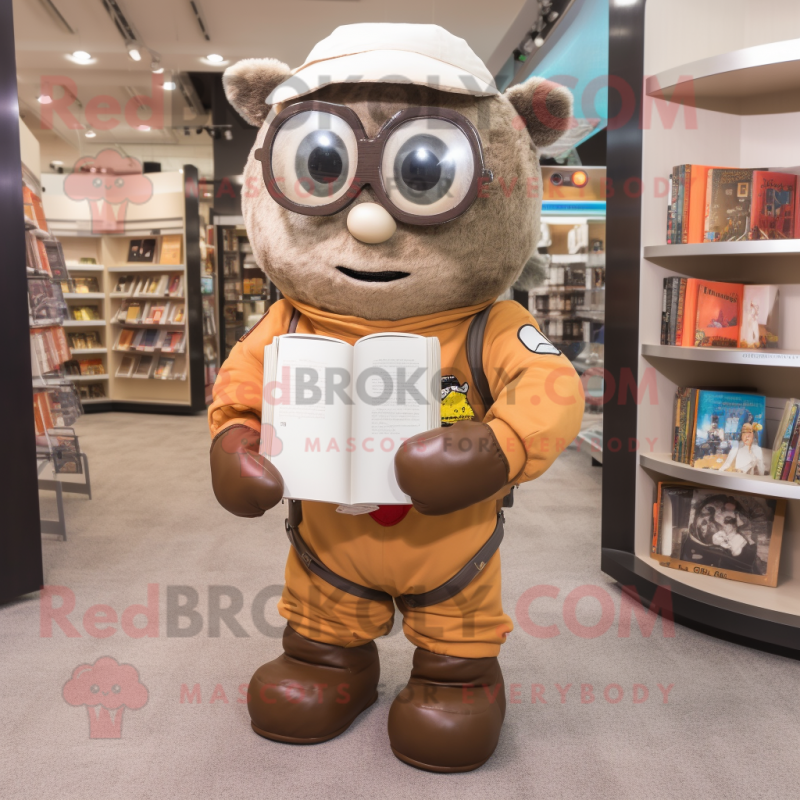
(398, 190)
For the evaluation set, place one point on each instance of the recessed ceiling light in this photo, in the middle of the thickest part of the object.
(45, 99)
(133, 51)
(169, 86)
(57, 163)
(539, 41)
(90, 134)
(81, 56)
(214, 58)
(143, 127)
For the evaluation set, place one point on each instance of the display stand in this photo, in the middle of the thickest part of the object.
(147, 372)
(736, 126)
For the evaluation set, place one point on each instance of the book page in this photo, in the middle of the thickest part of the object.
(393, 393)
(306, 400)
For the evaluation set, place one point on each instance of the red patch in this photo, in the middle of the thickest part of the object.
(389, 515)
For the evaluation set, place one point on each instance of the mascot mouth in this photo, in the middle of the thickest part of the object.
(373, 277)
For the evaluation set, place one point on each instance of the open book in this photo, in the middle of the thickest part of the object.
(335, 414)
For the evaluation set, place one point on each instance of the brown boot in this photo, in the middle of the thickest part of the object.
(448, 717)
(313, 691)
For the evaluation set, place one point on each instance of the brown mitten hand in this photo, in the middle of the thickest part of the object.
(244, 483)
(448, 469)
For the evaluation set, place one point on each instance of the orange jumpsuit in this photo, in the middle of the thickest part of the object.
(538, 405)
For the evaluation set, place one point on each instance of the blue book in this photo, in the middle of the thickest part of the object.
(730, 433)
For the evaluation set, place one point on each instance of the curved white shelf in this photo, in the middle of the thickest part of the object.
(88, 351)
(755, 484)
(84, 267)
(756, 80)
(84, 296)
(103, 377)
(764, 247)
(84, 323)
(725, 355)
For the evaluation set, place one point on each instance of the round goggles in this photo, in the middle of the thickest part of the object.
(425, 165)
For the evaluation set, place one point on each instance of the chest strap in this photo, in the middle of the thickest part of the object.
(448, 589)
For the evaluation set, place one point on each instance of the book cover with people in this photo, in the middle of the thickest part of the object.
(730, 535)
(760, 318)
(729, 433)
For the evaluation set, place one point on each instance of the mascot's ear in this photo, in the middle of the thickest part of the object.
(248, 83)
(544, 107)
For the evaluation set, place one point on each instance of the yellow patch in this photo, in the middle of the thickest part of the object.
(456, 407)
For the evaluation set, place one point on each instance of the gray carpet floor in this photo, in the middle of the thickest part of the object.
(728, 729)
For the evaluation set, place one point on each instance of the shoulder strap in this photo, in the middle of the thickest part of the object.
(477, 329)
(293, 322)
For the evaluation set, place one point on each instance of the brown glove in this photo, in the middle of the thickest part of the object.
(448, 469)
(244, 483)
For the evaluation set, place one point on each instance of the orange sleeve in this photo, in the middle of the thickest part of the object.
(238, 388)
(539, 397)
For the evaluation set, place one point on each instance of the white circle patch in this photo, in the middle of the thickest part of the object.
(536, 342)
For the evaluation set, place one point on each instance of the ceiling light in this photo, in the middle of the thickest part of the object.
(538, 41)
(181, 171)
(142, 127)
(214, 58)
(56, 163)
(155, 66)
(169, 86)
(45, 99)
(81, 56)
(133, 51)
(90, 134)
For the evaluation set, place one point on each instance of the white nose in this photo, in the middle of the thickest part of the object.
(370, 223)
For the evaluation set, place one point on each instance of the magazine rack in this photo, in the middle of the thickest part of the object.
(742, 112)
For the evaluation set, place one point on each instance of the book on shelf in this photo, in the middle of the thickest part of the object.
(143, 368)
(720, 430)
(142, 251)
(730, 194)
(158, 313)
(126, 284)
(125, 340)
(88, 260)
(130, 312)
(165, 368)
(718, 314)
(55, 259)
(177, 313)
(175, 286)
(173, 342)
(698, 313)
(84, 340)
(91, 391)
(92, 366)
(785, 448)
(345, 468)
(760, 317)
(773, 208)
(33, 208)
(46, 300)
(49, 349)
(171, 249)
(86, 313)
(125, 367)
(85, 285)
(723, 534)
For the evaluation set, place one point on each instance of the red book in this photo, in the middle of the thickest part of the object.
(772, 213)
(719, 312)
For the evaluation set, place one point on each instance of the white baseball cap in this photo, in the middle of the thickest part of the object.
(380, 52)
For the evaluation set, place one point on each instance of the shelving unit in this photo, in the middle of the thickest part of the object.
(747, 105)
(172, 210)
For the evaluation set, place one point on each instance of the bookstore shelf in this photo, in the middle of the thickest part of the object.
(103, 377)
(149, 324)
(85, 267)
(757, 84)
(663, 464)
(149, 268)
(126, 296)
(764, 79)
(84, 323)
(725, 355)
(84, 296)
(88, 351)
